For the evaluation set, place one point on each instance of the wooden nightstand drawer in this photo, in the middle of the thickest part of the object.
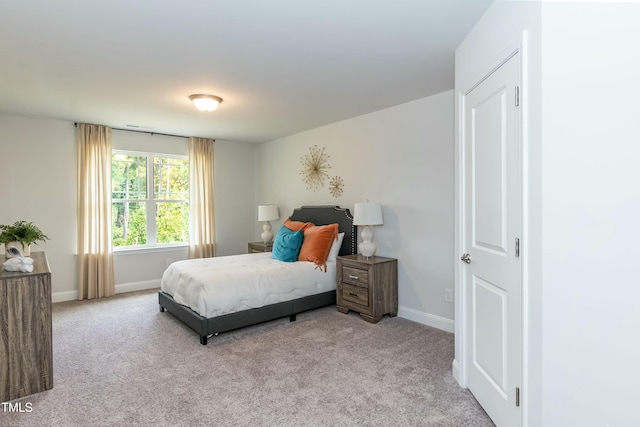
(355, 276)
(356, 294)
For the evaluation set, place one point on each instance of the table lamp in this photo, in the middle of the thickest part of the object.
(267, 213)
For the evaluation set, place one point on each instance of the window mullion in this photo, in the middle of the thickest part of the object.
(151, 203)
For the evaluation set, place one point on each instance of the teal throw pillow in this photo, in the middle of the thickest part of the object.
(287, 244)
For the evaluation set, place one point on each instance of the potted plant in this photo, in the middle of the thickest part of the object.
(21, 234)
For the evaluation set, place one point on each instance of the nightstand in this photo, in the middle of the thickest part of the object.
(255, 247)
(367, 286)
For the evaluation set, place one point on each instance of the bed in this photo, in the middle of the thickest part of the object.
(209, 318)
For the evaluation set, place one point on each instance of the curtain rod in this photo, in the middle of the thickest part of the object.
(145, 131)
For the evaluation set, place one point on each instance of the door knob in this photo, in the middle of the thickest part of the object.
(466, 258)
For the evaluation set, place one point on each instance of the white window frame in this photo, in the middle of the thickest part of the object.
(152, 227)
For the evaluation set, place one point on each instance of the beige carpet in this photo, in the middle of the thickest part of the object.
(120, 362)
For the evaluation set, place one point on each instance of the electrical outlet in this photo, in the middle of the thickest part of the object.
(448, 295)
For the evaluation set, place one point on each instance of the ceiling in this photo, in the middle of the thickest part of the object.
(281, 66)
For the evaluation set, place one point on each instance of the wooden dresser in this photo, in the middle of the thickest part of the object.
(26, 360)
(367, 286)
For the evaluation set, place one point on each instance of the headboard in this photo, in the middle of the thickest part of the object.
(323, 215)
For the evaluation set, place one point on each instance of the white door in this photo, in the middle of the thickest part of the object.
(492, 226)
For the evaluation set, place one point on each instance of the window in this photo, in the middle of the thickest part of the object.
(150, 199)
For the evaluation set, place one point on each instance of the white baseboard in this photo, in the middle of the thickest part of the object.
(432, 320)
(122, 288)
(64, 296)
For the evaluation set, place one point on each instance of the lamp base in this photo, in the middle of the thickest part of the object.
(267, 235)
(367, 247)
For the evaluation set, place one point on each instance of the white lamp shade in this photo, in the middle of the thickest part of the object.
(268, 212)
(367, 214)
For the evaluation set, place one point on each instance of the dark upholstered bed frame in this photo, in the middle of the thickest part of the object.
(206, 327)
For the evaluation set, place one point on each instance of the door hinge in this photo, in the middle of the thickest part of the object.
(517, 96)
(517, 247)
(517, 396)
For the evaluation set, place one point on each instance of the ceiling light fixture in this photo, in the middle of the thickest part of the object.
(205, 102)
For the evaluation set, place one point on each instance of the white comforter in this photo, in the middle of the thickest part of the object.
(222, 285)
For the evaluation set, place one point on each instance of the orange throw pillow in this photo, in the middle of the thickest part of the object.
(296, 225)
(317, 243)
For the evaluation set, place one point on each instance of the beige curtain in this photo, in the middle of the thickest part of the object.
(202, 241)
(95, 252)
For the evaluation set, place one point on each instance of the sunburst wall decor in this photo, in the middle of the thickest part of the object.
(314, 168)
(336, 186)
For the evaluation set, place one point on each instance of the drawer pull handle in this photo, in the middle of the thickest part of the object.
(353, 295)
(351, 276)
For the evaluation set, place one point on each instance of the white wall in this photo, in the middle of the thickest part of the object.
(234, 198)
(583, 205)
(38, 184)
(401, 157)
(591, 211)
(38, 166)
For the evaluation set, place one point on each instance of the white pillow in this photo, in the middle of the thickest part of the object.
(335, 247)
